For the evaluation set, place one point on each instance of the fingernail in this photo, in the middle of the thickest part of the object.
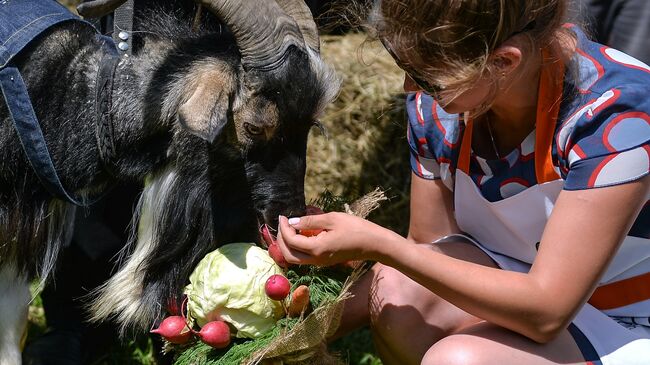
(294, 221)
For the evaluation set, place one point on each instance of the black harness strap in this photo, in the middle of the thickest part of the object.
(123, 27)
(104, 131)
(119, 23)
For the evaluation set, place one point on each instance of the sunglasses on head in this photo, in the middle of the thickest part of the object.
(421, 82)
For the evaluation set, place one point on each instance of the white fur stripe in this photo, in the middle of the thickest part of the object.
(14, 302)
(121, 296)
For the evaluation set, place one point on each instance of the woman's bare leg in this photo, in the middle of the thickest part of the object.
(407, 319)
(411, 325)
(488, 344)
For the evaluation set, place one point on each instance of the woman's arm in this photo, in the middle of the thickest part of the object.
(580, 238)
(430, 217)
(583, 233)
(432, 214)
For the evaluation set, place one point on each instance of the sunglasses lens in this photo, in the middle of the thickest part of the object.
(427, 86)
(420, 82)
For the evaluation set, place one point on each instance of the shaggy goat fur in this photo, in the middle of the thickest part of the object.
(199, 194)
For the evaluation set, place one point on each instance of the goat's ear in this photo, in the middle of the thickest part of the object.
(205, 110)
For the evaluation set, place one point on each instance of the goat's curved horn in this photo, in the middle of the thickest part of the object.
(262, 30)
(301, 13)
(98, 8)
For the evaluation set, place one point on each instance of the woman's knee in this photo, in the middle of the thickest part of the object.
(457, 350)
(402, 308)
(400, 313)
(393, 293)
(486, 343)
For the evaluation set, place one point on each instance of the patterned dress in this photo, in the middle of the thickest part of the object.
(602, 136)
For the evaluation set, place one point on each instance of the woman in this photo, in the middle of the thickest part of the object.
(533, 143)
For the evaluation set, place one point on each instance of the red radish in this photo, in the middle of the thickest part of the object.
(310, 232)
(277, 287)
(299, 301)
(172, 306)
(174, 329)
(215, 334)
(269, 239)
(312, 210)
(274, 249)
(276, 255)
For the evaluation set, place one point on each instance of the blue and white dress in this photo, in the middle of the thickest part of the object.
(601, 138)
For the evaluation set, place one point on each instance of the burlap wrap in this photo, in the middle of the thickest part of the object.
(305, 343)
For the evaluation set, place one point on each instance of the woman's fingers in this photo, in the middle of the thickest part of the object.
(291, 255)
(294, 247)
(309, 222)
(294, 256)
(291, 238)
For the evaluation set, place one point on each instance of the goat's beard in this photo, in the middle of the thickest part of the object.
(183, 213)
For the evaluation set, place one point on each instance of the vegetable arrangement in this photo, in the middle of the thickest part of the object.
(246, 305)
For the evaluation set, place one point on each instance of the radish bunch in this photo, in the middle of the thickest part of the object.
(217, 333)
(274, 249)
(277, 287)
(176, 330)
(272, 242)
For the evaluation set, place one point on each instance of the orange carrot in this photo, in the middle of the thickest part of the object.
(299, 301)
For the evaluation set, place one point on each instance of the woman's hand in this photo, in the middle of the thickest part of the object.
(344, 237)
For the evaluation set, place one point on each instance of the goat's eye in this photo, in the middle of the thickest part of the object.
(320, 127)
(253, 129)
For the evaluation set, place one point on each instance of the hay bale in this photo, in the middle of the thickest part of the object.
(366, 127)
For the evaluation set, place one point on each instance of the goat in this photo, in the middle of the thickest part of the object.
(213, 122)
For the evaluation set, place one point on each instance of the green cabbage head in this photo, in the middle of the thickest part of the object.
(228, 284)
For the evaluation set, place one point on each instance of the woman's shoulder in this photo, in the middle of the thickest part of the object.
(603, 133)
(598, 68)
(427, 117)
(605, 126)
(434, 137)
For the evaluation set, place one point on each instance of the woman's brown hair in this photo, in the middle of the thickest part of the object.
(447, 42)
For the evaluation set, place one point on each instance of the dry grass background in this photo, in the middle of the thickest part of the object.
(365, 145)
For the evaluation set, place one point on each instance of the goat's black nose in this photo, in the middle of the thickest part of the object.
(293, 209)
(297, 211)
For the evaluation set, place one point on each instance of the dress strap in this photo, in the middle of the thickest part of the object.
(548, 108)
(466, 147)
